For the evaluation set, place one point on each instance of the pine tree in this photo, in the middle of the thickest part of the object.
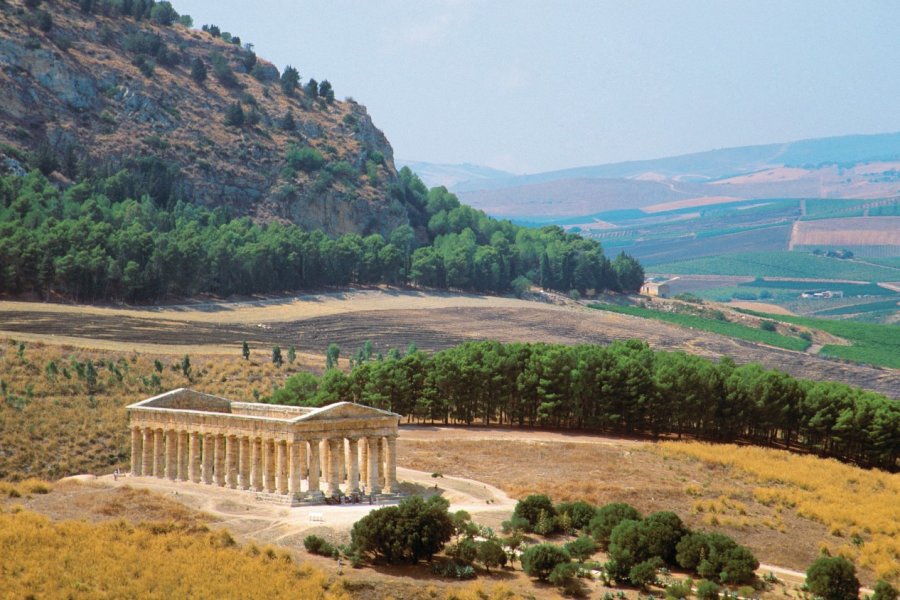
(234, 115)
(290, 79)
(276, 356)
(245, 350)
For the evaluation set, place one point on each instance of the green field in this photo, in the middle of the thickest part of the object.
(881, 305)
(726, 328)
(849, 289)
(872, 343)
(780, 264)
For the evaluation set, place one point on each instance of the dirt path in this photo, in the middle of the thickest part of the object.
(242, 514)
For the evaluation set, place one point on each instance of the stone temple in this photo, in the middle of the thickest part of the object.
(282, 453)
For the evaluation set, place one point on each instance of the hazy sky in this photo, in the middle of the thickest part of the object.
(532, 86)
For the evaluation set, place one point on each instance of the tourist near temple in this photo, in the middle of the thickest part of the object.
(281, 453)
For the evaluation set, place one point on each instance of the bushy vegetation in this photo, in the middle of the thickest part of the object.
(857, 505)
(736, 330)
(95, 241)
(416, 529)
(833, 578)
(151, 560)
(624, 387)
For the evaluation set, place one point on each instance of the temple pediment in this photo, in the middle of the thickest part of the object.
(346, 410)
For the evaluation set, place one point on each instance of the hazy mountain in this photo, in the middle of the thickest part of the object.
(434, 174)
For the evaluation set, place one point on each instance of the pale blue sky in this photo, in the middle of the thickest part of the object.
(532, 86)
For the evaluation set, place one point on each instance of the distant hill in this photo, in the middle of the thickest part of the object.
(88, 88)
(853, 166)
(434, 175)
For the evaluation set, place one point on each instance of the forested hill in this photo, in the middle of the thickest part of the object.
(94, 241)
(91, 87)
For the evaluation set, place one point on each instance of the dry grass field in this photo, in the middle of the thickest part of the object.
(785, 507)
(389, 319)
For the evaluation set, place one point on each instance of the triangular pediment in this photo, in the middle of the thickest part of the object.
(346, 410)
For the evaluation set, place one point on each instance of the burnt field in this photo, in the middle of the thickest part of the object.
(430, 328)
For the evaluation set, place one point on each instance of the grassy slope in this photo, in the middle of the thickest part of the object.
(734, 330)
(872, 343)
(781, 264)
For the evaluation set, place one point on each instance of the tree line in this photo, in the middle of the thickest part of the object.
(125, 236)
(624, 387)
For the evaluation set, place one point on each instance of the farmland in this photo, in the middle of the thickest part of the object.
(782, 264)
(869, 342)
(713, 325)
(853, 231)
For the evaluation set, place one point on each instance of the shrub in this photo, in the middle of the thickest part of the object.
(304, 159)
(540, 560)
(453, 570)
(409, 532)
(491, 554)
(515, 524)
(565, 576)
(680, 589)
(290, 79)
(708, 590)
(884, 591)
(222, 70)
(833, 578)
(607, 518)
(531, 509)
(198, 70)
(234, 115)
(767, 325)
(342, 170)
(580, 513)
(582, 548)
(317, 545)
(162, 13)
(643, 574)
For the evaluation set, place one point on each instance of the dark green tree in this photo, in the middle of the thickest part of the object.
(540, 560)
(608, 516)
(277, 360)
(245, 350)
(884, 591)
(198, 70)
(414, 530)
(234, 115)
(326, 92)
(833, 578)
(290, 79)
(532, 507)
(332, 354)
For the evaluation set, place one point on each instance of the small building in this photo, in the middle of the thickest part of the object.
(652, 288)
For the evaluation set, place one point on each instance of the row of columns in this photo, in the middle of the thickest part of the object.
(267, 464)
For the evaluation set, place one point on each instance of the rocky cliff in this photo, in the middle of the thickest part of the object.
(86, 88)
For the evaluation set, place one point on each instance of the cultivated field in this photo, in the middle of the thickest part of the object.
(390, 320)
(854, 231)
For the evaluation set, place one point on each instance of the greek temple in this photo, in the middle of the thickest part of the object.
(281, 453)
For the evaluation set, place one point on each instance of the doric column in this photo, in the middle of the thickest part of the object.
(374, 486)
(147, 443)
(194, 457)
(325, 453)
(314, 468)
(256, 470)
(364, 461)
(137, 454)
(304, 458)
(281, 484)
(294, 470)
(353, 461)
(335, 445)
(182, 456)
(209, 453)
(219, 467)
(381, 461)
(342, 461)
(171, 454)
(231, 455)
(244, 464)
(159, 454)
(390, 472)
(269, 465)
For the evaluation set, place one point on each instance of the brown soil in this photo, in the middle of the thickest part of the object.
(398, 320)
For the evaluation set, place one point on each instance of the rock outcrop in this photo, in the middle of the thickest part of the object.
(93, 93)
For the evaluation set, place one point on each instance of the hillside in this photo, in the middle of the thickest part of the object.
(86, 90)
